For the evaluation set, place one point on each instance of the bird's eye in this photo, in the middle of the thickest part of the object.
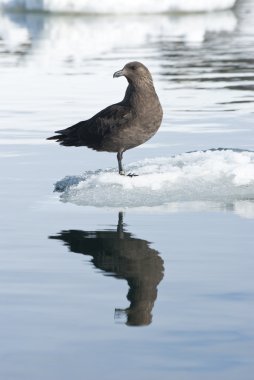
(133, 67)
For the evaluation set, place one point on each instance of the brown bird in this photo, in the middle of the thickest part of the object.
(123, 125)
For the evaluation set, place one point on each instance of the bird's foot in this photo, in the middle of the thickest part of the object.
(129, 174)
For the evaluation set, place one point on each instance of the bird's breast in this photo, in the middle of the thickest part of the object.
(142, 123)
(145, 124)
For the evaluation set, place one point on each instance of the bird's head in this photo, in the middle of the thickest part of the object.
(134, 72)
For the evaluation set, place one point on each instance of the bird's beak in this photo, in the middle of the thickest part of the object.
(119, 73)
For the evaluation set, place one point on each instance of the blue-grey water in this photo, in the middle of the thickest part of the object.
(149, 279)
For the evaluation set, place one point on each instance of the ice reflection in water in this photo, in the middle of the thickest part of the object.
(121, 255)
(70, 40)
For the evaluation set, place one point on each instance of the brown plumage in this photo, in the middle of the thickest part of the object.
(123, 125)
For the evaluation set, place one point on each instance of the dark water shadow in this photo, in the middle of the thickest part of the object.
(119, 254)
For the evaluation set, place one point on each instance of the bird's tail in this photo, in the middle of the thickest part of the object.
(56, 137)
(66, 137)
(79, 134)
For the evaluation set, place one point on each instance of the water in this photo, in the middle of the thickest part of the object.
(145, 277)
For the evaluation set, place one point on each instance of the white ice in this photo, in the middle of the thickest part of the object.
(119, 6)
(214, 175)
(74, 39)
(14, 37)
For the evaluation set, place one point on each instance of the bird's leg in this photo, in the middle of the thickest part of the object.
(120, 166)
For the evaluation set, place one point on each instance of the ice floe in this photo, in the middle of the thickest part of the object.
(213, 176)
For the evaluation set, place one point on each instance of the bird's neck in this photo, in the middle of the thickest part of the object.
(139, 90)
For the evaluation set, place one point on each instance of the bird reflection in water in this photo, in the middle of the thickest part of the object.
(123, 256)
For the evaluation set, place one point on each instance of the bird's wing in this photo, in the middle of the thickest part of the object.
(108, 119)
(104, 123)
(91, 132)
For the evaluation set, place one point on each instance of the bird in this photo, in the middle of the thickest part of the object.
(121, 126)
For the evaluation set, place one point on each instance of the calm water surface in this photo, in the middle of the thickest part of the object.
(143, 293)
